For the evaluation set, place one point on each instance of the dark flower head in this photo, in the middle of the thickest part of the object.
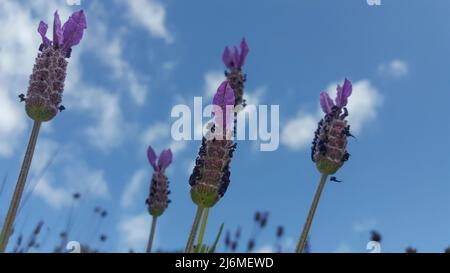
(329, 150)
(411, 250)
(375, 236)
(264, 219)
(104, 213)
(158, 199)
(46, 86)
(235, 58)
(280, 231)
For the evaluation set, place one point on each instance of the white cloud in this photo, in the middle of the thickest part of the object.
(133, 188)
(103, 106)
(395, 68)
(299, 132)
(151, 15)
(287, 245)
(12, 122)
(111, 54)
(134, 232)
(363, 105)
(16, 60)
(158, 136)
(74, 175)
(212, 79)
(55, 196)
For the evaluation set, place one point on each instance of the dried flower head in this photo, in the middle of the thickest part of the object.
(158, 199)
(375, 236)
(234, 59)
(211, 175)
(411, 250)
(280, 231)
(46, 84)
(329, 150)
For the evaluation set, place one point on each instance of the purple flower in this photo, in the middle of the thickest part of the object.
(223, 104)
(67, 36)
(343, 93)
(158, 199)
(164, 160)
(235, 58)
(326, 102)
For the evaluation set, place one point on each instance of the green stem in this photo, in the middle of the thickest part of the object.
(20, 186)
(193, 234)
(312, 211)
(152, 234)
(202, 228)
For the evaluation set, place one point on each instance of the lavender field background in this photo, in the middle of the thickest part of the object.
(90, 176)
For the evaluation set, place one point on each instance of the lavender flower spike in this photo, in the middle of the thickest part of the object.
(46, 84)
(329, 150)
(158, 199)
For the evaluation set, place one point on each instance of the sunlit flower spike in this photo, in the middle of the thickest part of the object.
(44, 95)
(211, 175)
(329, 148)
(158, 199)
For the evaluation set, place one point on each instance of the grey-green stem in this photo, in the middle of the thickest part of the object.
(302, 243)
(193, 234)
(20, 186)
(203, 228)
(152, 235)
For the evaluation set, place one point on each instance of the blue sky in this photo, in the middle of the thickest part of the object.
(140, 58)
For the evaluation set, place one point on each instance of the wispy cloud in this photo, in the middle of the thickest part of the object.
(212, 80)
(343, 248)
(133, 188)
(159, 137)
(151, 15)
(395, 68)
(134, 232)
(69, 173)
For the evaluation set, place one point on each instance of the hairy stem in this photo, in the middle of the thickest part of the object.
(312, 211)
(152, 234)
(193, 234)
(20, 186)
(202, 228)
